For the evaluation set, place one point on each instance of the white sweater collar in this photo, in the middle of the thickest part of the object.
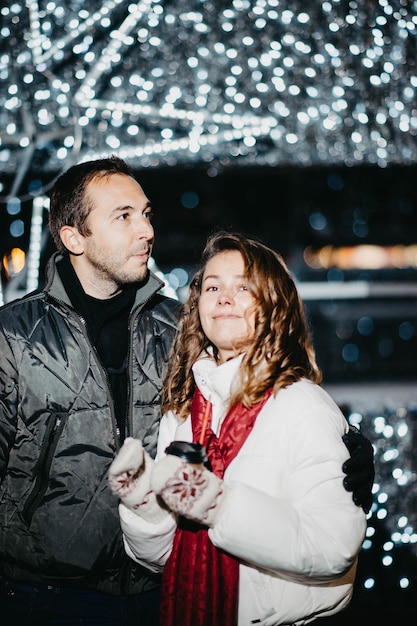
(215, 381)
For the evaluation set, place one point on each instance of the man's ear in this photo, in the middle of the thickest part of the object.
(72, 239)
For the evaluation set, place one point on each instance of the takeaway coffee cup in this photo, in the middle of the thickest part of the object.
(189, 451)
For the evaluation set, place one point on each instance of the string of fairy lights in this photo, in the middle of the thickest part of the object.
(265, 82)
(389, 420)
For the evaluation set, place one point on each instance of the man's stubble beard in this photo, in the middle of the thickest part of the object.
(115, 271)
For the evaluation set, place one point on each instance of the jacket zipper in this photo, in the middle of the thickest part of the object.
(116, 429)
(44, 465)
(82, 324)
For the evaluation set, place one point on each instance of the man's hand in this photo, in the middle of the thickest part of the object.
(359, 469)
(129, 478)
(188, 490)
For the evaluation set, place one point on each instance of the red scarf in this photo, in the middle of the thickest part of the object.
(200, 582)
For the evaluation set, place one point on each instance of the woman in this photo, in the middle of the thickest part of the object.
(269, 535)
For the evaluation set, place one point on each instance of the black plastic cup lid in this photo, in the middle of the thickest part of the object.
(190, 451)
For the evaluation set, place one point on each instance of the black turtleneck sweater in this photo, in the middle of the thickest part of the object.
(107, 326)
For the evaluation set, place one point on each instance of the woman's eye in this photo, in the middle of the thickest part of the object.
(148, 215)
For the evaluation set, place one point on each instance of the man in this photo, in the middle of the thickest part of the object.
(81, 368)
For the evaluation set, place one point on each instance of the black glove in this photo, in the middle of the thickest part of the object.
(359, 469)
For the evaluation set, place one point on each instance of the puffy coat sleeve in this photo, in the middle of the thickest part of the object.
(286, 510)
(148, 544)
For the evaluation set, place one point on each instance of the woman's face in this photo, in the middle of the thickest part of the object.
(226, 306)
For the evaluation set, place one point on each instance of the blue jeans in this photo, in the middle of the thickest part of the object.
(32, 604)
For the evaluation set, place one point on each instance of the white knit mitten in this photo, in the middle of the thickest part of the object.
(188, 490)
(129, 479)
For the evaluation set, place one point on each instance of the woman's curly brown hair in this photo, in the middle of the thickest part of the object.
(280, 351)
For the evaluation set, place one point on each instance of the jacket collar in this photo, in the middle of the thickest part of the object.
(215, 381)
(55, 288)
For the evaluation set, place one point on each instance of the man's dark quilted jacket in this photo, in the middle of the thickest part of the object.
(59, 521)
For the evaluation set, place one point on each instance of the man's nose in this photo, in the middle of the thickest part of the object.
(143, 227)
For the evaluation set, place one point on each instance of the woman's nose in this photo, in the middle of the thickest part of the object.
(225, 297)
